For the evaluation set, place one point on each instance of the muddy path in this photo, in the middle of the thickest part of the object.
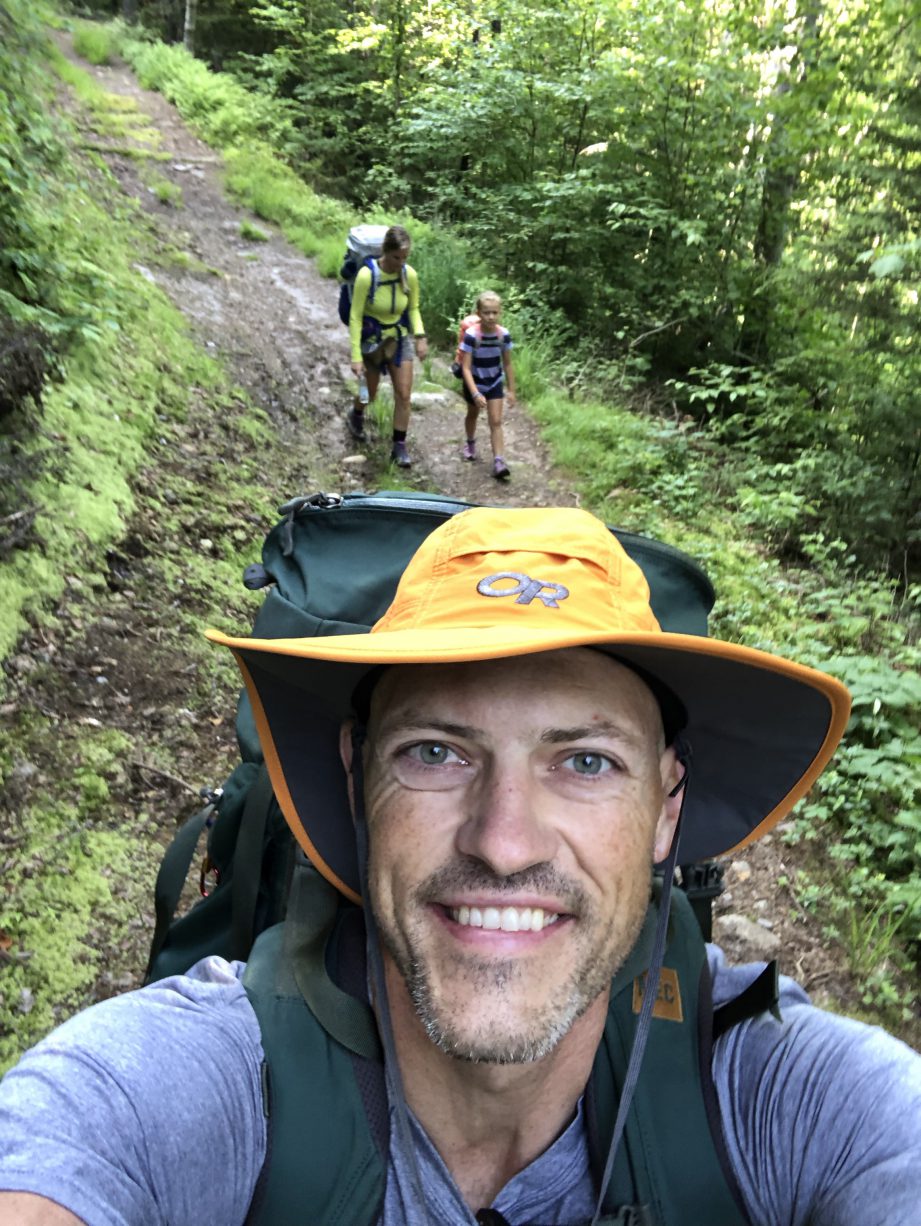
(265, 312)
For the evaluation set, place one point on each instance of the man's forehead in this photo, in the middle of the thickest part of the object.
(577, 673)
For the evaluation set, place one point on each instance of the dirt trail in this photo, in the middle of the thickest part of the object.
(263, 308)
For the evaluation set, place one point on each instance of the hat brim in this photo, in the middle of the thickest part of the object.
(760, 728)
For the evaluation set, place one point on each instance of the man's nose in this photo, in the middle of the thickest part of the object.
(507, 824)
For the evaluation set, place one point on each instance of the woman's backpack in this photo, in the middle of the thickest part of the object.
(364, 246)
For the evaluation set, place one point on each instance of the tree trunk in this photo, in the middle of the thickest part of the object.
(188, 34)
(781, 175)
(398, 34)
(130, 11)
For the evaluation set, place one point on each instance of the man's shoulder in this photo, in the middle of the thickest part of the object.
(799, 1023)
(141, 1074)
(206, 1006)
(807, 1062)
(816, 1108)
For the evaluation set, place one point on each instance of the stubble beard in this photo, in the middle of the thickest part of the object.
(535, 1031)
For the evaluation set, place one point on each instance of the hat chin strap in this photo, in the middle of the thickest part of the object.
(651, 988)
(382, 1007)
(379, 1001)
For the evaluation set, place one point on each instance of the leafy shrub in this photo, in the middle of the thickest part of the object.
(221, 109)
(449, 281)
(96, 43)
(261, 180)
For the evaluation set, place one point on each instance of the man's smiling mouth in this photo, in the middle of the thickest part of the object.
(504, 919)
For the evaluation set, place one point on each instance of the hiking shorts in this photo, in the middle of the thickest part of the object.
(386, 351)
(495, 391)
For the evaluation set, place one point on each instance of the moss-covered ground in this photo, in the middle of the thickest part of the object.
(147, 489)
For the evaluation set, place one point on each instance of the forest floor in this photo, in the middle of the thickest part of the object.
(262, 309)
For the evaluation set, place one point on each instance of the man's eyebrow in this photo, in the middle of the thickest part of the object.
(416, 723)
(602, 727)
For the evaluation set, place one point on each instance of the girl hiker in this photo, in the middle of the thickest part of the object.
(383, 322)
(485, 356)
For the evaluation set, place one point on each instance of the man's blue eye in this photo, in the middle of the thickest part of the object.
(431, 753)
(589, 763)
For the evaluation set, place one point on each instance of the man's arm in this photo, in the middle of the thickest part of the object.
(822, 1118)
(127, 1111)
(24, 1209)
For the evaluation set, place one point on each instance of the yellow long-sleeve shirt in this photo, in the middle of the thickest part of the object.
(389, 303)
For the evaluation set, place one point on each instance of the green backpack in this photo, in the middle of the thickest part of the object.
(331, 566)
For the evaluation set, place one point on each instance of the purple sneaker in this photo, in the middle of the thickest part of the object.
(500, 468)
(470, 449)
(400, 456)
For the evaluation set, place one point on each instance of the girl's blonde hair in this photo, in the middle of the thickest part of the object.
(487, 295)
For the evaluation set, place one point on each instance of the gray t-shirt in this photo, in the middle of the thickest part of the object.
(822, 1118)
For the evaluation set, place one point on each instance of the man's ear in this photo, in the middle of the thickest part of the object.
(672, 771)
(345, 753)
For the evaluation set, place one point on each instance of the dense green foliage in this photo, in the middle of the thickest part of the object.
(723, 196)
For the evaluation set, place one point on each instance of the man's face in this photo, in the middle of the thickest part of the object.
(515, 808)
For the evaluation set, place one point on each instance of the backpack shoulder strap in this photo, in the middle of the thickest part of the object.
(761, 996)
(171, 878)
(672, 1160)
(371, 264)
(325, 1103)
(248, 864)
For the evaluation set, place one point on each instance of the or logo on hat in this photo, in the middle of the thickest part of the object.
(525, 589)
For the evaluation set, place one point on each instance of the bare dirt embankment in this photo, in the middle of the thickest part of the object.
(262, 308)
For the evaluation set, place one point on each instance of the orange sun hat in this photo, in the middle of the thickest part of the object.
(491, 583)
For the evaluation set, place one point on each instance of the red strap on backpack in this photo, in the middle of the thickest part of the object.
(468, 324)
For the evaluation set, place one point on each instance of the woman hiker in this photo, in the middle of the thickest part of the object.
(385, 330)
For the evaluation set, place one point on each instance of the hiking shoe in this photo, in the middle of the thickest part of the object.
(500, 468)
(400, 456)
(470, 449)
(356, 424)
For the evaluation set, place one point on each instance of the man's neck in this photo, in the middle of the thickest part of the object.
(489, 1121)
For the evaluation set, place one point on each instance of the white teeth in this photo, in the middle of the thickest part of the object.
(506, 919)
